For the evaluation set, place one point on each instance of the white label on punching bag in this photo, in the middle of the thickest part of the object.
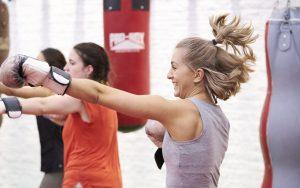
(121, 43)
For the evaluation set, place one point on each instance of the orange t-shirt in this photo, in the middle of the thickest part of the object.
(91, 150)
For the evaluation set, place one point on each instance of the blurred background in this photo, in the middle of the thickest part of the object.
(37, 24)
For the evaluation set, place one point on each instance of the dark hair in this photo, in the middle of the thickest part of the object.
(95, 55)
(54, 57)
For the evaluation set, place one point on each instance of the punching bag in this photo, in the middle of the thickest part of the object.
(4, 32)
(126, 38)
(4, 35)
(280, 120)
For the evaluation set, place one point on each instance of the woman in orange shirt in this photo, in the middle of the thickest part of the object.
(91, 156)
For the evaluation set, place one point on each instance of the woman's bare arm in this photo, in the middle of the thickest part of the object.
(58, 119)
(143, 106)
(25, 92)
(51, 105)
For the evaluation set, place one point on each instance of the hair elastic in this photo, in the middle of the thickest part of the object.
(214, 41)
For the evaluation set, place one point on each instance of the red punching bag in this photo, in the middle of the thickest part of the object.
(126, 37)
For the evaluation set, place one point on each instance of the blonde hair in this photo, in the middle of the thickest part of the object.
(224, 69)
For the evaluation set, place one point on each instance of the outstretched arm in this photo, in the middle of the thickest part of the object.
(174, 115)
(58, 119)
(144, 106)
(25, 92)
(50, 105)
(167, 112)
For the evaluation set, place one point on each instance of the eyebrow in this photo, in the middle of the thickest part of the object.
(172, 63)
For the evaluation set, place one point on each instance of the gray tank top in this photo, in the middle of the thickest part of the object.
(195, 163)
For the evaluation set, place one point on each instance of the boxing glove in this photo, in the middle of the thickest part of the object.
(18, 70)
(155, 132)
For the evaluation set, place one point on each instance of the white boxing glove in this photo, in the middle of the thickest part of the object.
(11, 71)
(20, 69)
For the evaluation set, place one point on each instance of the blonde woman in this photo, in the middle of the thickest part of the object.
(201, 71)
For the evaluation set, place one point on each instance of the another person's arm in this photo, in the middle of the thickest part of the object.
(25, 92)
(50, 105)
(59, 119)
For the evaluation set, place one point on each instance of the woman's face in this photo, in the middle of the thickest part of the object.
(75, 66)
(181, 75)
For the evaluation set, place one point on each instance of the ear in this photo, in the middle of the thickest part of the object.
(89, 70)
(199, 75)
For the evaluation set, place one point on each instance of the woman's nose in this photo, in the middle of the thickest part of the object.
(170, 75)
(66, 68)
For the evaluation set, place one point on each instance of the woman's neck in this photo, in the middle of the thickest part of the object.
(204, 97)
(202, 94)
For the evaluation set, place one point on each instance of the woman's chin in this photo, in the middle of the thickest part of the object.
(177, 95)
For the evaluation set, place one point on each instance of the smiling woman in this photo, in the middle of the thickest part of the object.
(197, 130)
(181, 75)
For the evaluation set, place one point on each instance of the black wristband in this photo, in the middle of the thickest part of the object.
(61, 77)
(214, 41)
(12, 106)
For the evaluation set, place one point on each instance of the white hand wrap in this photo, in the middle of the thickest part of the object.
(13, 107)
(39, 73)
(58, 81)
